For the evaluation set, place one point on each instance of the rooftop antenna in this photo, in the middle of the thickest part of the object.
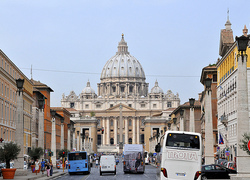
(31, 72)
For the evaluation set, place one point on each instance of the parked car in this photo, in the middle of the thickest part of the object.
(215, 171)
(107, 164)
(231, 165)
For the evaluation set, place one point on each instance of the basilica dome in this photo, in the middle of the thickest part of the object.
(122, 65)
(88, 89)
(156, 89)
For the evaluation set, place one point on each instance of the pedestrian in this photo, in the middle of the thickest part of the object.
(66, 162)
(47, 166)
(51, 168)
(37, 166)
(96, 163)
(42, 166)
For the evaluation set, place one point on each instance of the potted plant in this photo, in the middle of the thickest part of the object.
(8, 152)
(35, 153)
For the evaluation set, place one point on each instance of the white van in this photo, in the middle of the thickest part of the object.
(107, 164)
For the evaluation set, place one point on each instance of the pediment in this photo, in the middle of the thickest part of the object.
(124, 108)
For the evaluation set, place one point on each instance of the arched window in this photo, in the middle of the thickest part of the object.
(111, 123)
(130, 122)
(130, 140)
(111, 141)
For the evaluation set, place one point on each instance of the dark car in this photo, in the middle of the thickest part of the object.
(215, 171)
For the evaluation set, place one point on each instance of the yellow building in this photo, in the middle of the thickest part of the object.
(9, 72)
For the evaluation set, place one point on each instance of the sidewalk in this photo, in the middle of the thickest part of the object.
(39, 176)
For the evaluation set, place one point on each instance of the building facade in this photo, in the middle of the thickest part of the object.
(122, 94)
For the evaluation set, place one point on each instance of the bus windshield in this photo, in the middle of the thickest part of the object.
(77, 156)
(183, 141)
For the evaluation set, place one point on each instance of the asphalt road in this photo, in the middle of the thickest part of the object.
(150, 173)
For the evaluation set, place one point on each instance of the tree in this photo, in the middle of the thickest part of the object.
(92, 114)
(244, 141)
(8, 152)
(60, 152)
(35, 153)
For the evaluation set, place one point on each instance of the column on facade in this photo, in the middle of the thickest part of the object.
(138, 130)
(127, 88)
(134, 137)
(126, 130)
(78, 142)
(62, 134)
(103, 136)
(68, 139)
(108, 138)
(135, 89)
(74, 138)
(115, 130)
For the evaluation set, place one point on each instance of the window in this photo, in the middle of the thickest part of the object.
(131, 89)
(111, 141)
(86, 106)
(154, 105)
(130, 105)
(98, 106)
(114, 89)
(142, 105)
(122, 89)
(169, 104)
(130, 140)
(72, 105)
(130, 122)
(111, 123)
(111, 105)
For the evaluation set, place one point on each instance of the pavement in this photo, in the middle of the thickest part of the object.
(40, 176)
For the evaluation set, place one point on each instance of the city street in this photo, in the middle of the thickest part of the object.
(150, 173)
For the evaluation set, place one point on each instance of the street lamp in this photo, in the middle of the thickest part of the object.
(169, 125)
(208, 83)
(242, 107)
(20, 127)
(242, 43)
(174, 120)
(191, 102)
(53, 136)
(181, 112)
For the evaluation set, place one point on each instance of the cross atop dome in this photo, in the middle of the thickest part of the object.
(122, 46)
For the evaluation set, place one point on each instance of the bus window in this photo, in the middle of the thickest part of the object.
(77, 156)
(183, 141)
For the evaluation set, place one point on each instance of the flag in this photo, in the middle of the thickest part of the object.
(221, 141)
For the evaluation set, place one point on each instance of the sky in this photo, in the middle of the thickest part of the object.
(68, 43)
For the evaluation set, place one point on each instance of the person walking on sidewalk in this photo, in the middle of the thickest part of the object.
(51, 168)
(37, 166)
(47, 166)
(42, 166)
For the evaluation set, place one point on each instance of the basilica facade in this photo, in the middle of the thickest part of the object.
(119, 108)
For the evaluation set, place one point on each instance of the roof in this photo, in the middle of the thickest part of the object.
(39, 85)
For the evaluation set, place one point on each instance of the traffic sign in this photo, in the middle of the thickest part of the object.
(248, 145)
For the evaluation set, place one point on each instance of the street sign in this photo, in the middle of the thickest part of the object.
(218, 148)
(227, 153)
(248, 145)
(154, 154)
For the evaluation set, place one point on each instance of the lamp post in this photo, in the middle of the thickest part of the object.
(243, 159)
(62, 133)
(181, 120)
(20, 129)
(53, 137)
(209, 145)
(191, 119)
(41, 123)
(68, 139)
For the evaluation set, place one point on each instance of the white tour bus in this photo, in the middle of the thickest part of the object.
(181, 155)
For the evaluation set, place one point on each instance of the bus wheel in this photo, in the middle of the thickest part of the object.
(204, 178)
(115, 172)
(70, 173)
(100, 173)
